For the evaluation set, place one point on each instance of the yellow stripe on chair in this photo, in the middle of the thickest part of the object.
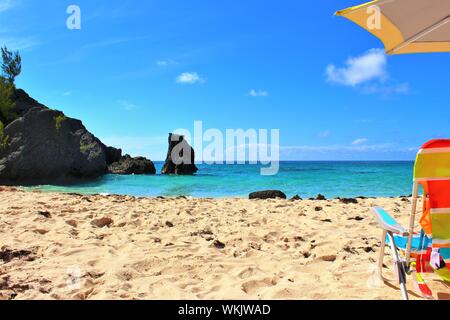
(432, 164)
(441, 232)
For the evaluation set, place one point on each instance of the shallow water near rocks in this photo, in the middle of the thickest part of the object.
(307, 179)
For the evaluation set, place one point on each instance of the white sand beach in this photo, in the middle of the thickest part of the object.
(63, 246)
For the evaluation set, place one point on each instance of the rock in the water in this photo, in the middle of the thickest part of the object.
(128, 165)
(180, 157)
(296, 198)
(267, 194)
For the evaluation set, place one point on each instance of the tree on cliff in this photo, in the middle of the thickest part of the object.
(11, 68)
(6, 103)
(11, 64)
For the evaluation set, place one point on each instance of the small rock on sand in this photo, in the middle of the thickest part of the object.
(329, 258)
(103, 222)
(45, 214)
(219, 245)
(357, 218)
(348, 200)
(321, 197)
(7, 254)
(72, 223)
(169, 224)
(267, 194)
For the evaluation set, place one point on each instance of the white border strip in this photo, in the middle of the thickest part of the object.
(440, 211)
(431, 179)
(441, 242)
(434, 150)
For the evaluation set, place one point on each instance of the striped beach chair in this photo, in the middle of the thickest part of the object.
(429, 250)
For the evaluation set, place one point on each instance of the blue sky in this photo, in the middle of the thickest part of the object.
(137, 70)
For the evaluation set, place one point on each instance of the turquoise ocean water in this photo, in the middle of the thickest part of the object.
(307, 179)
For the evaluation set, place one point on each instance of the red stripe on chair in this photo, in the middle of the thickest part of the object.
(440, 143)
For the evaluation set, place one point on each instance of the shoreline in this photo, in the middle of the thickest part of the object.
(41, 189)
(63, 246)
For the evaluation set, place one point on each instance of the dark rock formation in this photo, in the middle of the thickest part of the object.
(112, 155)
(24, 103)
(128, 165)
(267, 194)
(180, 157)
(45, 146)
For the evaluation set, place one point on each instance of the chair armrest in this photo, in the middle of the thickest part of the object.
(388, 223)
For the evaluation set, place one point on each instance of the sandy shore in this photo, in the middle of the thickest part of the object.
(59, 246)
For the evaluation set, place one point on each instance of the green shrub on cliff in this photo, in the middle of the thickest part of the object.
(4, 143)
(6, 104)
(58, 121)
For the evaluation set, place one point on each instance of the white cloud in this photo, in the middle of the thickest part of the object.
(67, 93)
(360, 141)
(258, 93)
(357, 70)
(386, 91)
(6, 5)
(165, 63)
(126, 105)
(19, 43)
(382, 151)
(383, 147)
(190, 78)
(325, 134)
(113, 42)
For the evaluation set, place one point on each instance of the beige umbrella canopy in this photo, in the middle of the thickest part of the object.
(405, 26)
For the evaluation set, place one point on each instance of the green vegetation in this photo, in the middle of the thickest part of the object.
(6, 104)
(11, 64)
(83, 147)
(4, 143)
(11, 67)
(58, 121)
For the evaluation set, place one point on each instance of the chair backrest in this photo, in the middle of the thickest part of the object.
(432, 171)
(433, 161)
